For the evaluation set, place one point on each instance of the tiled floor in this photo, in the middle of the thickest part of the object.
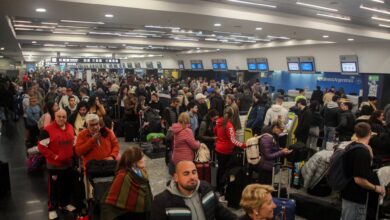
(29, 192)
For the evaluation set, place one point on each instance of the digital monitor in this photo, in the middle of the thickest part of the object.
(223, 66)
(293, 66)
(348, 67)
(262, 66)
(200, 66)
(251, 66)
(215, 66)
(307, 66)
(194, 66)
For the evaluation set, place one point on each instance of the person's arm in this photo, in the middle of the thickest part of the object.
(364, 183)
(267, 119)
(84, 144)
(231, 133)
(190, 139)
(43, 146)
(46, 120)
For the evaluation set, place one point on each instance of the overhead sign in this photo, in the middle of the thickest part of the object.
(82, 60)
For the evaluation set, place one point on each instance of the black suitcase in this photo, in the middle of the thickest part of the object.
(5, 183)
(312, 208)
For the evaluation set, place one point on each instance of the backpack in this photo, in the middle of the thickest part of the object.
(252, 149)
(336, 176)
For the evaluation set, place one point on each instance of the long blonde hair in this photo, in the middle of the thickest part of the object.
(184, 119)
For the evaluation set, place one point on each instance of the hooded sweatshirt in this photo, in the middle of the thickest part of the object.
(193, 201)
(274, 112)
(184, 143)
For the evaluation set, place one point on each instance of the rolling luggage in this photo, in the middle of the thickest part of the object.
(312, 208)
(5, 183)
(204, 171)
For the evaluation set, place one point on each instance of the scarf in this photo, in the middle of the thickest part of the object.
(130, 191)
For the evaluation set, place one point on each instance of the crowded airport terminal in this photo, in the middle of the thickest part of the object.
(195, 109)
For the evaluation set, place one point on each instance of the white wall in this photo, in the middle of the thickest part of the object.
(373, 57)
(4, 65)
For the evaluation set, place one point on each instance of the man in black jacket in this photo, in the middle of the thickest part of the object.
(304, 121)
(331, 113)
(345, 129)
(188, 198)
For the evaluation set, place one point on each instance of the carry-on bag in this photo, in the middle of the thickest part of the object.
(204, 171)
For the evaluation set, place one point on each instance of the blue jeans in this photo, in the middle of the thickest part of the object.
(329, 136)
(353, 211)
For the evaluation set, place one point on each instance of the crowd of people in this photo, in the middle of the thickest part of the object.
(69, 117)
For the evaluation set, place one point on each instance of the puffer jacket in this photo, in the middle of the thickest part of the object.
(275, 112)
(315, 167)
(256, 118)
(184, 143)
(269, 150)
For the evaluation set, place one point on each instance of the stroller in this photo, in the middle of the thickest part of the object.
(151, 128)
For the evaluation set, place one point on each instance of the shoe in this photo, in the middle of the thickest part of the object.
(53, 215)
(69, 208)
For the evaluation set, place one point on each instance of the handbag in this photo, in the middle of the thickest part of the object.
(203, 154)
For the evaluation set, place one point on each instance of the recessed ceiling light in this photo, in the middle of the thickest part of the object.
(34, 42)
(316, 6)
(124, 45)
(198, 48)
(2, 48)
(351, 39)
(380, 19)
(19, 21)
(82, 22)
(217, 25)
(252, 3)
(383, 25)
(109, 15)
(375, 9)
(49, 23)
(325, 36)
(218, 49)
(379, 1)
(346, 18)
(40, 10)
(259, 28)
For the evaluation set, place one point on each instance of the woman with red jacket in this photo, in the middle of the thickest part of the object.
(224, 146)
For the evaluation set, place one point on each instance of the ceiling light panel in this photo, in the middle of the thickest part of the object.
(384, 25)
(40, 10)
(109, 15)
(69, 32)
(380, 19)
(378, 1)
(252, 3)
(316, 6)
(82, 22)
(335, 16)
(383, 11)
(161, 27)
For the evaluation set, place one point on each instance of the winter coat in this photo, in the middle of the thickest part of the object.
(184, 143)
(226, 137)
(206, 132)
(202, 110)
(170, 206)
(218, 104)
(304, 122)
(346, 126)
(317, 95)
(331, 114)
(269, 150)
(256, 118)
(315, 167)
(275, 112)
(170, 116)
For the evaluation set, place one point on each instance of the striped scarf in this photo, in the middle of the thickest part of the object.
(130, 191)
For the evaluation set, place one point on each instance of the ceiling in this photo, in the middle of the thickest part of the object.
(154, 27)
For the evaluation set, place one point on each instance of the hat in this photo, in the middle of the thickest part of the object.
(200, 96)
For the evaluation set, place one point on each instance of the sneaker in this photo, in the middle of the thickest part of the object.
(70, 208)
(53, 215)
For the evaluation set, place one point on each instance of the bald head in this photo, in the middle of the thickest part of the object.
(60, 117)
(186, 177)
(183, 164)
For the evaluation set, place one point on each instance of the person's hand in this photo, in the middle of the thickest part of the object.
(109, 158)
(96, 136)
(286, 151)
(56, 157)
(380, 190)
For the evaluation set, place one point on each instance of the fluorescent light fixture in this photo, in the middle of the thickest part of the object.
(1, 57)
(316, 6)
(218, 49)
(225, 32)
(198, 48)
(66, 43)
(185, 39)
(71, 27)
(69, 32)
(82, 22)
(40, 10)
(210, 39)
(351, 39)
(277, 37)
(24, 29)
(34, 42)
(252, 3)
(380, 19)
(104, 33)
(2, 48)
(53, 45)
(135, 36)
(379, 1)
(49, 23)
(375, 9)
(33, 26)
(383, 25)
(346, 18)
(157, 32)
(325, 36)
(109, 15)
(161, 27)
(259, 28)
(217, 25)
(19, 21)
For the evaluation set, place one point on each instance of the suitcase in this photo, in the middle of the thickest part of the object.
(234, 189)
(312, 208)
(5, 183)
(204, 171)
(281, 180)
(285, 208)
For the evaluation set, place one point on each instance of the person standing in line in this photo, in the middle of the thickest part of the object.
(231, 102)
(56, 145)
(276, 112)
(358, 167)
(256, 115)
